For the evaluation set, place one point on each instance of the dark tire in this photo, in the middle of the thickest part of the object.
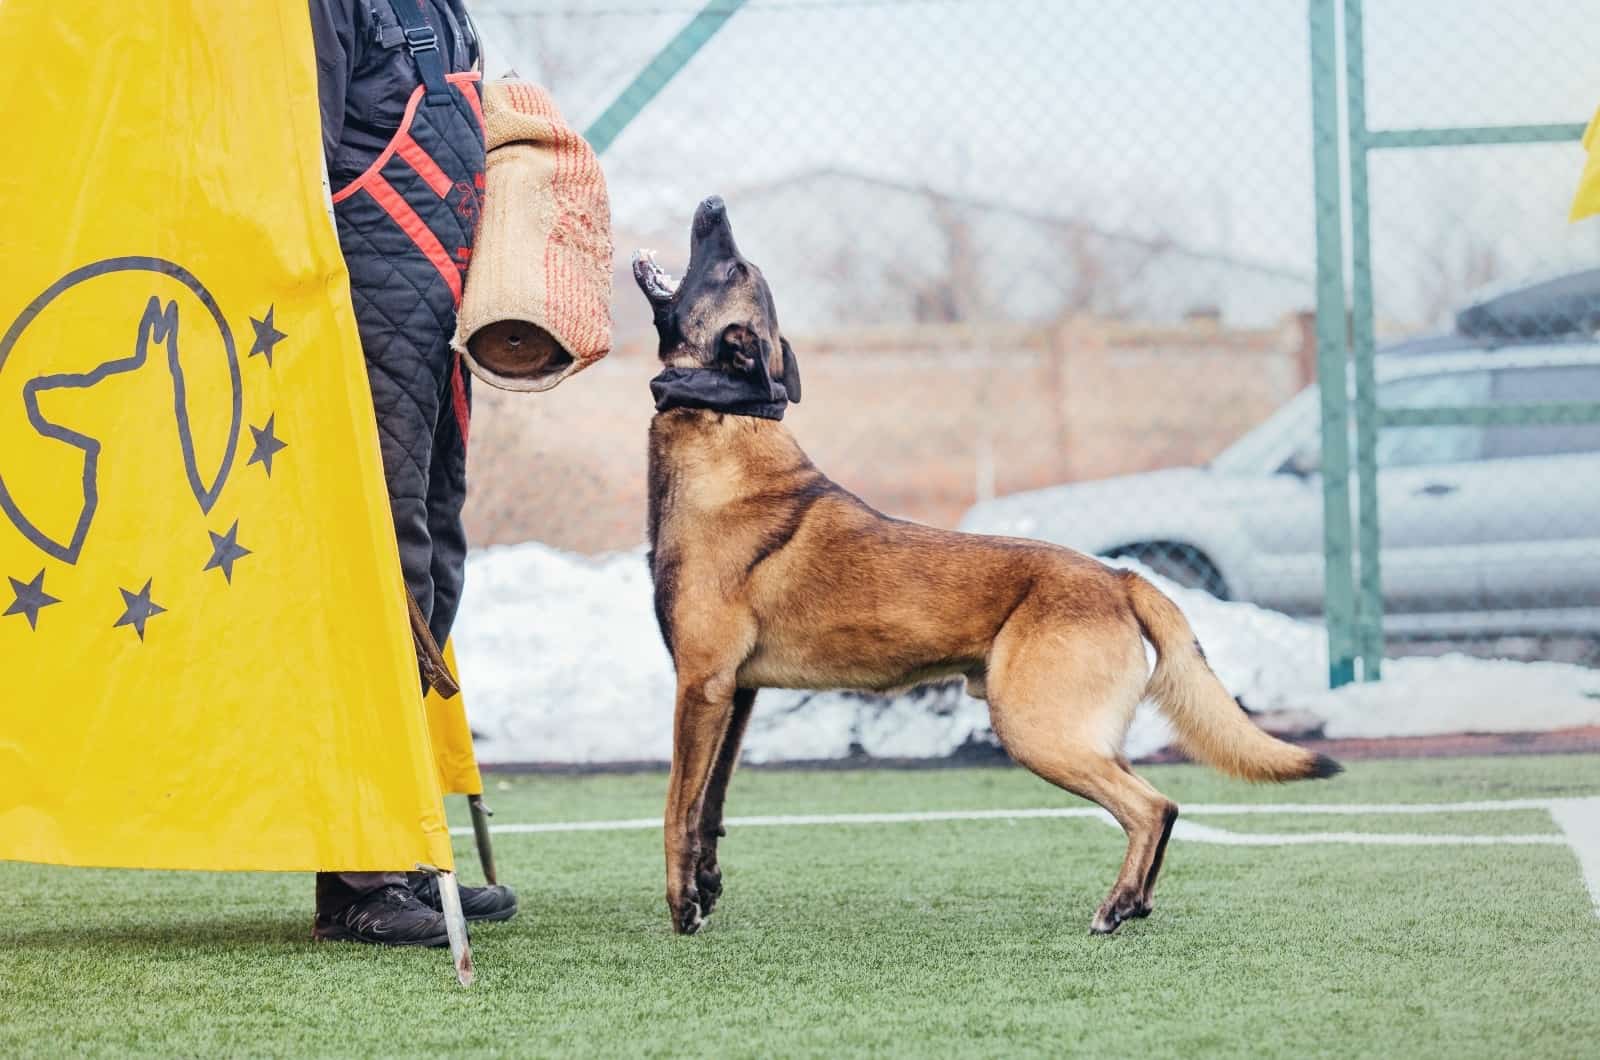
(1184, 564)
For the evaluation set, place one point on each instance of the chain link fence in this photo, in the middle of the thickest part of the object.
(1466, 444)
(1050, 269)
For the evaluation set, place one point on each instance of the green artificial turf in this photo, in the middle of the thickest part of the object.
(920, 939)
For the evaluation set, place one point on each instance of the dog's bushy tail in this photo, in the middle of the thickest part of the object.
(1211, 726)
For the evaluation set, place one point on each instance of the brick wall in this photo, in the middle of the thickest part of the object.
(920, 422)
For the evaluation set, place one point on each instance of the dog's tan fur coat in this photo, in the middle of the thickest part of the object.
(768, 575)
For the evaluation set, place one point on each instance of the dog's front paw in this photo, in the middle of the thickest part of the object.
(686, 914)
(708, 880)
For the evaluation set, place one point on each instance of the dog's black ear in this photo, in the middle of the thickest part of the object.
(791, 371)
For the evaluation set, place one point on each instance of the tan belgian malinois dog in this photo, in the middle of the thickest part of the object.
(768, 575)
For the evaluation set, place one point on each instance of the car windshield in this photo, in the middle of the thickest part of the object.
(1264, 448)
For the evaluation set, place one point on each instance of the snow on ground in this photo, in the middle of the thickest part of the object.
(561, 662)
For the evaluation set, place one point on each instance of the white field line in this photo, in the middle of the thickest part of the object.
(1578, 819)
(1188, 830)
(917, 817)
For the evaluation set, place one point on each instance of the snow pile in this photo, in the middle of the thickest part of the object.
(1454, 693)
(561, 661)
(560, 657)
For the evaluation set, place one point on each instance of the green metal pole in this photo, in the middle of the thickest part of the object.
(480, 832)
(649, 82)
(1338, 580)
(1369, 602)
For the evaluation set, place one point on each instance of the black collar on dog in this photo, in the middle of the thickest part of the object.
(705, 388)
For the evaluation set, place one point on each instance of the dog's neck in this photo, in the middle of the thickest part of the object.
(716, 458)
(716, 391)
(701, 463)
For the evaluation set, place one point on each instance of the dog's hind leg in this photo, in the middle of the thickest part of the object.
(1142, 816)
(1061, 706)
(1147, 896)
(708, 873)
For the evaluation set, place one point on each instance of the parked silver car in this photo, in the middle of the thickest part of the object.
(1486, 530)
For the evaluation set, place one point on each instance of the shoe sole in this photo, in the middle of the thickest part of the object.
(490, 918)
(340, 935)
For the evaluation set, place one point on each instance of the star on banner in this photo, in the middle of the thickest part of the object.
(267, 445)
(30, 599)
(225, 550)
(138, 609)
(267, 336)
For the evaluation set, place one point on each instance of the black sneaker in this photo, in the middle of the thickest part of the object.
(478, 903)
(389, 916)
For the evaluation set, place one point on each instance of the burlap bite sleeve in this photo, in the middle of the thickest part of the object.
(537, 304)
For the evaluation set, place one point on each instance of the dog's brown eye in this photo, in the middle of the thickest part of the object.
(735, 271)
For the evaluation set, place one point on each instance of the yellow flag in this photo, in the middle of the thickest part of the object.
(452, 739)
(204, 656)
(1587, 201)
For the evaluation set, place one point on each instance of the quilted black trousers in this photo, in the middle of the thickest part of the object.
(422, 399)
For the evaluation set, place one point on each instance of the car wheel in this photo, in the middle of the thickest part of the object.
(1184, 564)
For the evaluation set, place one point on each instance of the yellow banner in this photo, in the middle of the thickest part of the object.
(452, 739)
(204, 654)
(1587, 202)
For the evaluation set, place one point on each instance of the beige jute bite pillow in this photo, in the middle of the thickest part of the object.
(537, 304)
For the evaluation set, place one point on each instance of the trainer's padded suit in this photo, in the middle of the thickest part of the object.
(365, 75)
(407, 224)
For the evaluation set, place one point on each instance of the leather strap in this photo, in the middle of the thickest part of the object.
(435, 671)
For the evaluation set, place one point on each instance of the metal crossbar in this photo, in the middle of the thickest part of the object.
(1538, 415)
(1475, 136)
